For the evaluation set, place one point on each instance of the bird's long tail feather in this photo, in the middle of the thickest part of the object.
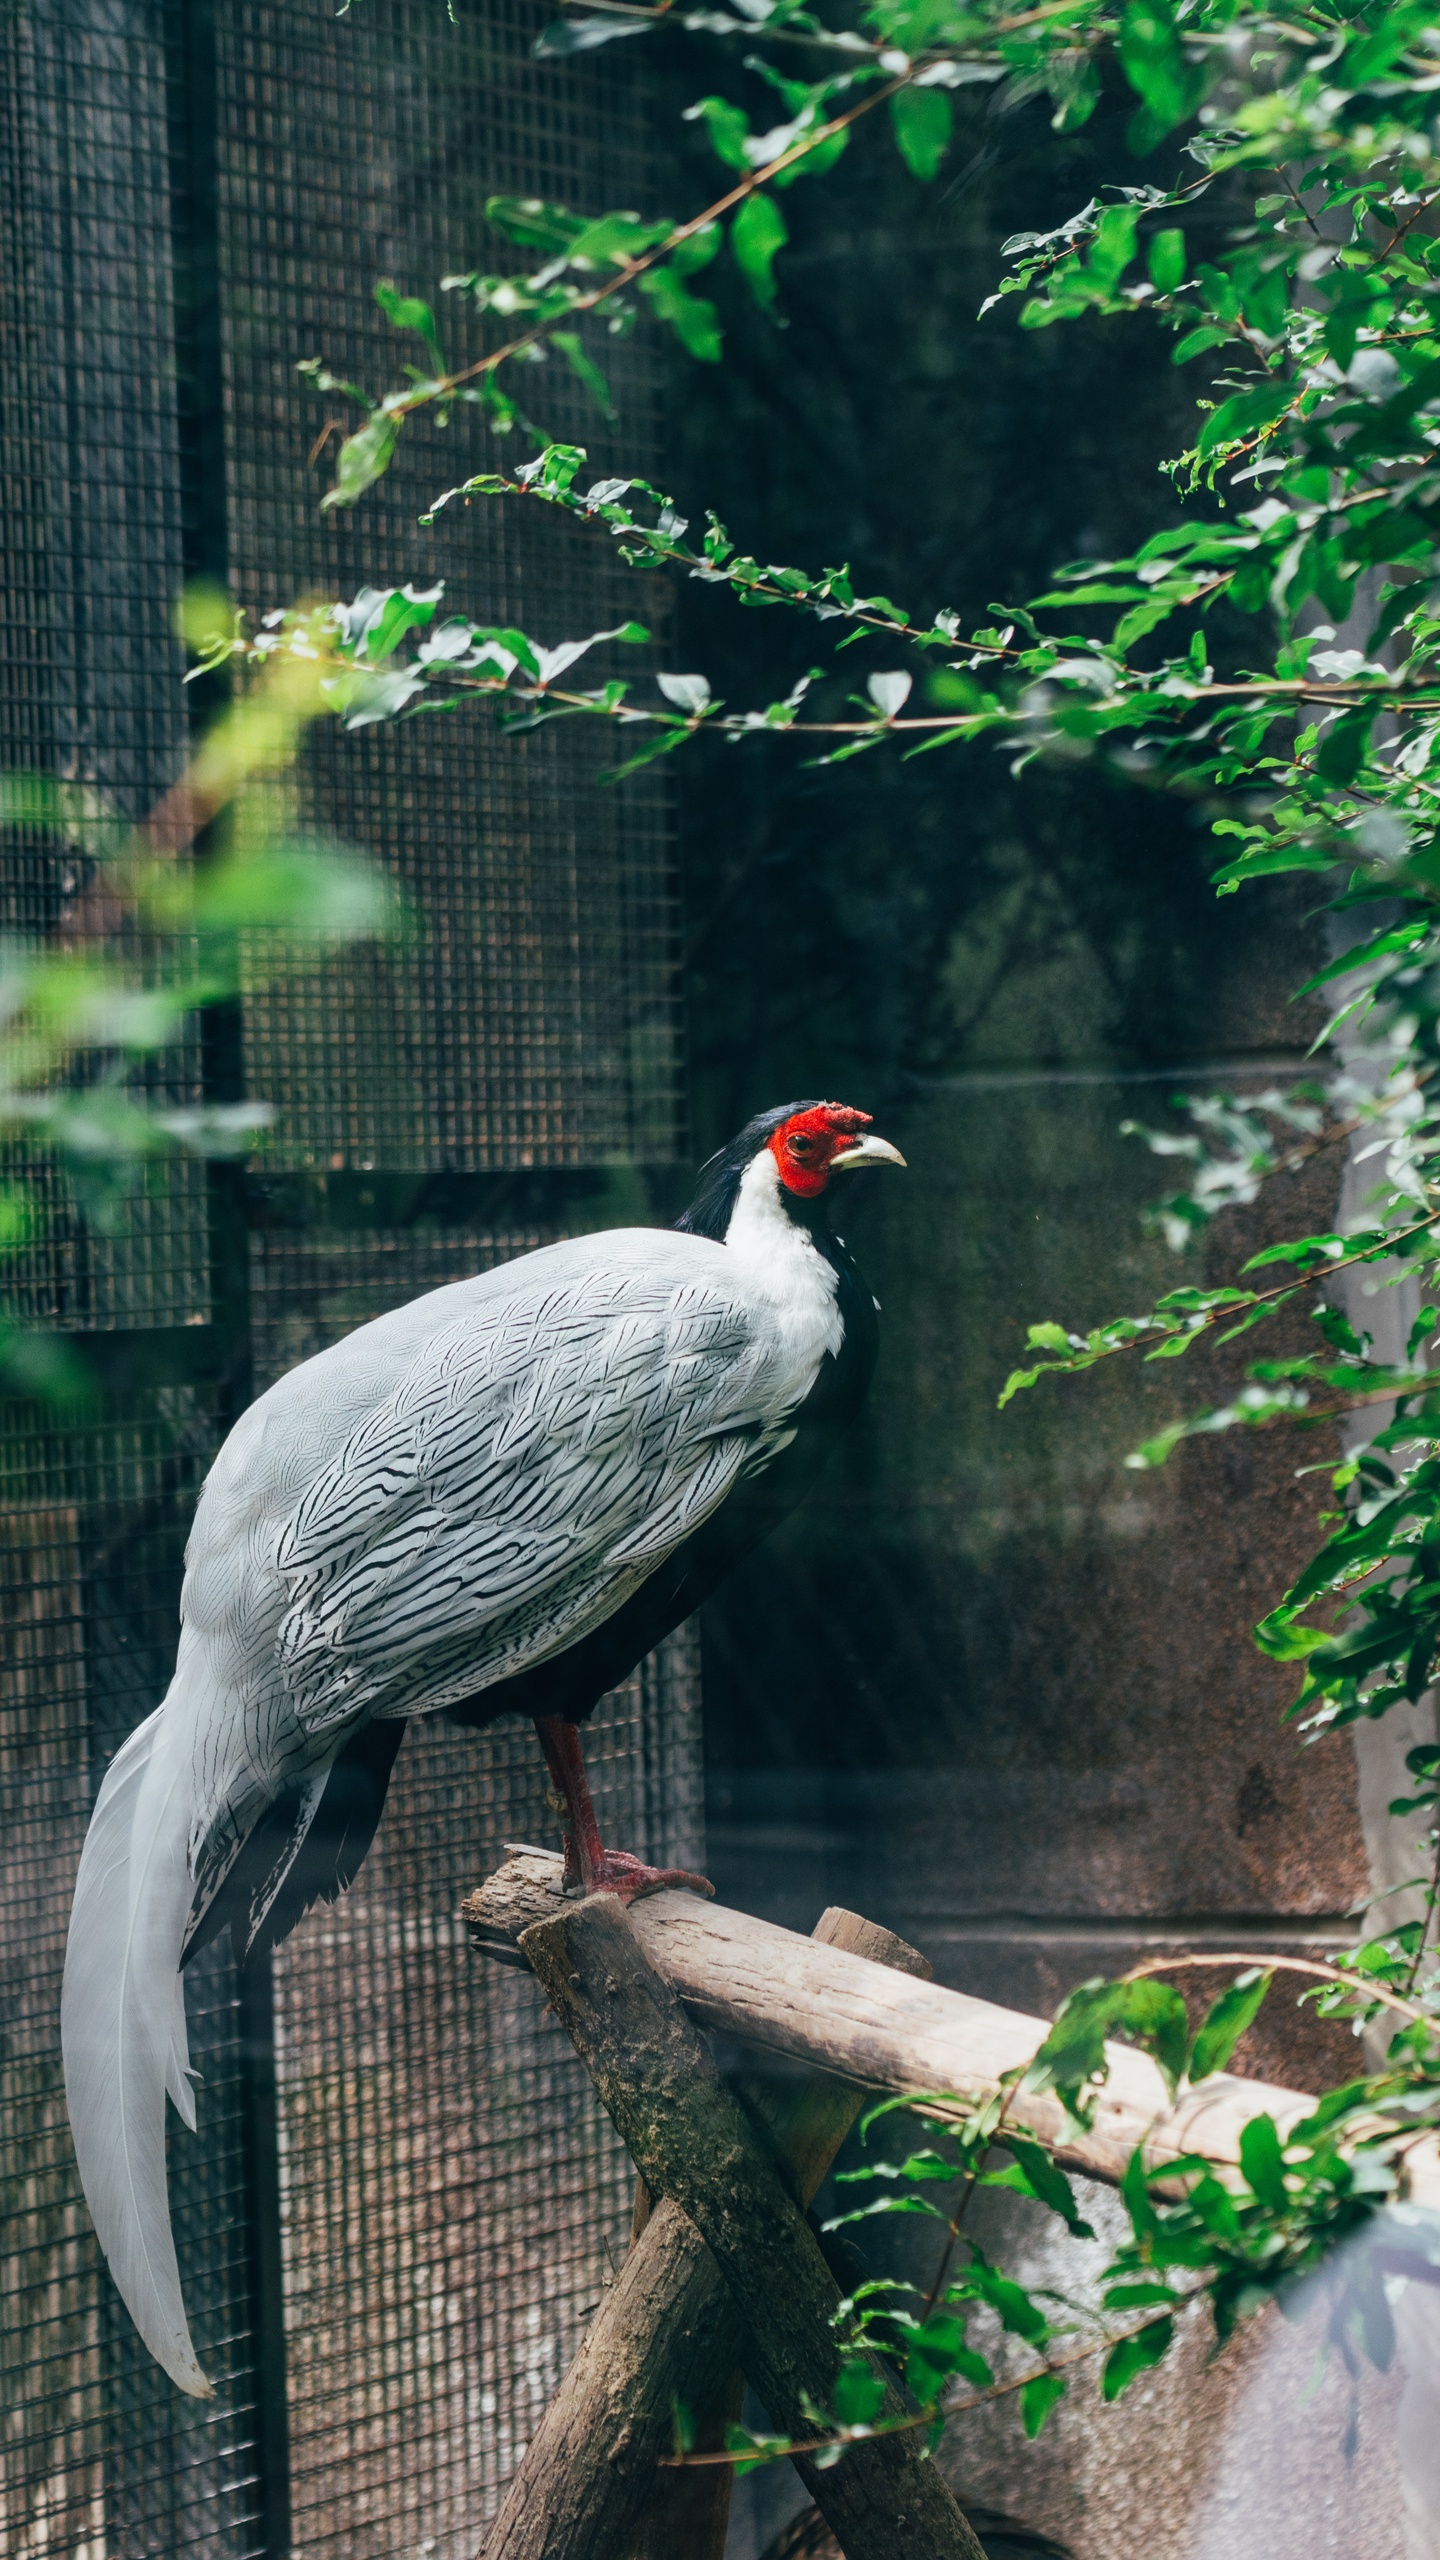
(122, 2021)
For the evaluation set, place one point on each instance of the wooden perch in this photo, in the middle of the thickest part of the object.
(693, 2144)
(590, 2486)
(839, 2013)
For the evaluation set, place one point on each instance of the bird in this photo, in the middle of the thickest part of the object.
(496, 1499)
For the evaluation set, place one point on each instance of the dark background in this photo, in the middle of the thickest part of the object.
(989, 1685)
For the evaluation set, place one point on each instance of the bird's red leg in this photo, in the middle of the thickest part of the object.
(588, 1863)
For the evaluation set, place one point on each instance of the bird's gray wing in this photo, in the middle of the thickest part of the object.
(450, 1493)
(542, 1453)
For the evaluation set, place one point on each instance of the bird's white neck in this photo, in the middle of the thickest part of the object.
(784, 1265)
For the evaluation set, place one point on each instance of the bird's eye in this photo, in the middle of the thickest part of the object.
(801, 1146)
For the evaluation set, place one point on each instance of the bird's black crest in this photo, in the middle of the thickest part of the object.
(718, 1180)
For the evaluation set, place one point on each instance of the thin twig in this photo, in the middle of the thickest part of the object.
(1269, 1297)
(1293, 1964)
(761, 34)
(439, 388)
(983, 2152)
(740, 724)
(947, 2408)
(676, 554)
(1434, 1901)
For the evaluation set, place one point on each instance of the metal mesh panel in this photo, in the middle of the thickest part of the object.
(453, 2199)
(534, 1019)
(144, 1262)
(98, 2455)
(88, 658)
(447, 2189)
(90, 564)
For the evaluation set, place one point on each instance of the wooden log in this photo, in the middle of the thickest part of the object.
(590, 2486)
(693, 2144)
(822, 2005)
(582, 2486)
(686, 2513)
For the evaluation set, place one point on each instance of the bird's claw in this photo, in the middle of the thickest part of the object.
(617, 1872)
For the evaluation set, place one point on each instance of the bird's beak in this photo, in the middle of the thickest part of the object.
(867, 1151)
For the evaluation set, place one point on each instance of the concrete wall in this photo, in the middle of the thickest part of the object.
(1000, 1692)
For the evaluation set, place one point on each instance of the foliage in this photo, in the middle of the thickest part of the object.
(1273, 659)
(1294, 2219)
(153, 935)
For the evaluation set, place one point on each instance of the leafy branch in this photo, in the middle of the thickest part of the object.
(1184, 1316)
(658, 257)
(1236, 2238)
(1042, 2386)
(166, 918)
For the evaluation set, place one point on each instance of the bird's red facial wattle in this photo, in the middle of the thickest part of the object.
(814, 1144)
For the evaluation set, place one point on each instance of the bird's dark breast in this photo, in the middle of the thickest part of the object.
(573, 1683)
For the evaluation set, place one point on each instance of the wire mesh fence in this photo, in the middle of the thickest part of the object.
(399, 2204)
(451, 2206)
(343, 156)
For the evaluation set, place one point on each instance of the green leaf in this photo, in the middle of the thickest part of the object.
(1131, 2357)
(1262, 2163)
(695, 322)
(1047, 1337)
(1038, 2398)
(728, 128)
(1311, 1250)
(1013, 2306)
(859, 2394)
(375, 624)
(303, 886)
(757, 234)
(1196, 341)
(885, 2205)
(1344, 743)
(1137, 2297)
(579, 35)
(1215, 2209)
(1226, 2020)
(922, 119)
(937, 2352)
(1246, 416)
(585, 370)
(758, 2449)
(1167, 261)
(820, 157)
(1073, 2053)
(662, 743)
(1114, 244)
(1154, 63)
(613, 239)
(405, 311)
(1047, 2184)
(1153, 2013)
(362, 458)
(1135, 2188)
(533, 224)
(1074, 84)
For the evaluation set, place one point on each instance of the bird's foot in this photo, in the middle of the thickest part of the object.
(615, 1871)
